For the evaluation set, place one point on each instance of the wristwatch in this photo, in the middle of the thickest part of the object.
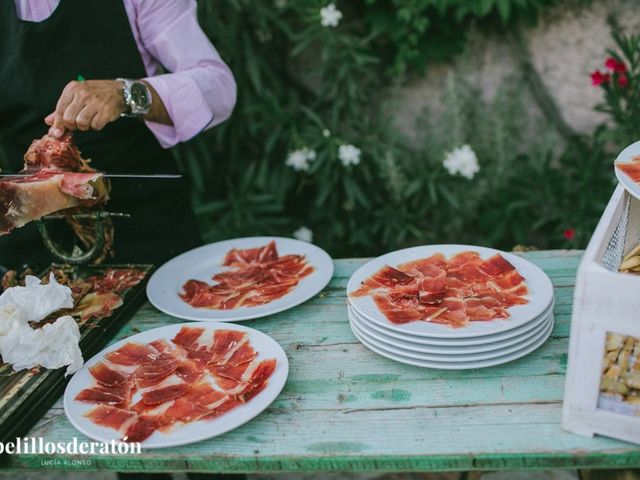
(136, 96)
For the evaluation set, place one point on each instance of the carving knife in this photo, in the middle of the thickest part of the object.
(105, 175)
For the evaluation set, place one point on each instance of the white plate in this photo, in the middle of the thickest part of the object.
(540, 293)
(473, 342)
(191, 432)
(203, 262)
(488, 348)
(460, 357)
(455, 366)
(625, 157)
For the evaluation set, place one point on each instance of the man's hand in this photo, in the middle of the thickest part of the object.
(86, 105)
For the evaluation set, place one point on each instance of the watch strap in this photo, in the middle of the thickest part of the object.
(126, 96)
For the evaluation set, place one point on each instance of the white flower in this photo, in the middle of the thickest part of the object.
(299, 159)
(326, 133)
(462, 161)
(303, 233)
(330, 16)
(349, 155)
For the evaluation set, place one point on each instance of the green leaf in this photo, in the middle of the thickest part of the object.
(504, 9)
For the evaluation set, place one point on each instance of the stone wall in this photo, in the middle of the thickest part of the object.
(568, 43)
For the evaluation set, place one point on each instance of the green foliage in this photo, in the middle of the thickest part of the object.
(549, 196)
(302, 85)
(622, 88)
(419, 31)
(527, 192)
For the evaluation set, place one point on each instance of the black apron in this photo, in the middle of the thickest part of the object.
(91, 38)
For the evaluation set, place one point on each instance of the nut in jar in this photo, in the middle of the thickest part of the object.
(620, 376)
(631, 261)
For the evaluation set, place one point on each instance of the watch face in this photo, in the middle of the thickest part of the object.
(139, 96)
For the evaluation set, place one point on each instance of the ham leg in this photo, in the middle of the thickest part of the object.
(57, 178)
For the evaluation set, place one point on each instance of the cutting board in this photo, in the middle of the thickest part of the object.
(27, 395)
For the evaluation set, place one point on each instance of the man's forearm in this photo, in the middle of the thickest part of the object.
(92, 104)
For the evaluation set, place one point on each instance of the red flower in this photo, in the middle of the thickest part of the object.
(623, 80)
(611, 63)
(569, 233)
(615, 65)
(598, 78)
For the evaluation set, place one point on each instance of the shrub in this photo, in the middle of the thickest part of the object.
(310, 145)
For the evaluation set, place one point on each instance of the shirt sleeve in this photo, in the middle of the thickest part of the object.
(199, 90)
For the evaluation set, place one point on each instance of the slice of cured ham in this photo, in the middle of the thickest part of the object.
(225, 345)
(56, 179)
(107, 375)
(132, 354)
(203, 348)
(453, 292)
(154, 371)
(140, 427)
(631, 168)
(91, 297)
(237, 380)
(256, 276)
(116, 280)
(198, 375)
(97, 305)
(107, 416)
(165, 393)
(204, 394)
(202, 400)
(424, 264)
(230, 374)
(228, 404)
(188, 337)
(249, 256)
(257, 382)
(184, 411)
(118, 395)
(405, 309)
(386, 278)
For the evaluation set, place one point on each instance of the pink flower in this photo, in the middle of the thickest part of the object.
(569, 233)
(599, 78)
(623, 80)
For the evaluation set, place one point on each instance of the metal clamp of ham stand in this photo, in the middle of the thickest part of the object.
(78, 256)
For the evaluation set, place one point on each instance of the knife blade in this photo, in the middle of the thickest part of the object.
(105, 175)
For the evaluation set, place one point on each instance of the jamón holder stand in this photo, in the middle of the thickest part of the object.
(79, 256)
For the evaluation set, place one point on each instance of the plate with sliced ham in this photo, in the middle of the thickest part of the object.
(627, 168)
(449, 291)
(240, 279)
(176, 385)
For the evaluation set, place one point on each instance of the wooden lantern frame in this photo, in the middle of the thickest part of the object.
(605, 300)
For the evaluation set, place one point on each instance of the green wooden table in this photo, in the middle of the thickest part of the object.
(345, 408)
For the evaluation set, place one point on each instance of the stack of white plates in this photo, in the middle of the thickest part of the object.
(432, 345)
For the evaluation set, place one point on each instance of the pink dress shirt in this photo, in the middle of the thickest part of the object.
(199, 91)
